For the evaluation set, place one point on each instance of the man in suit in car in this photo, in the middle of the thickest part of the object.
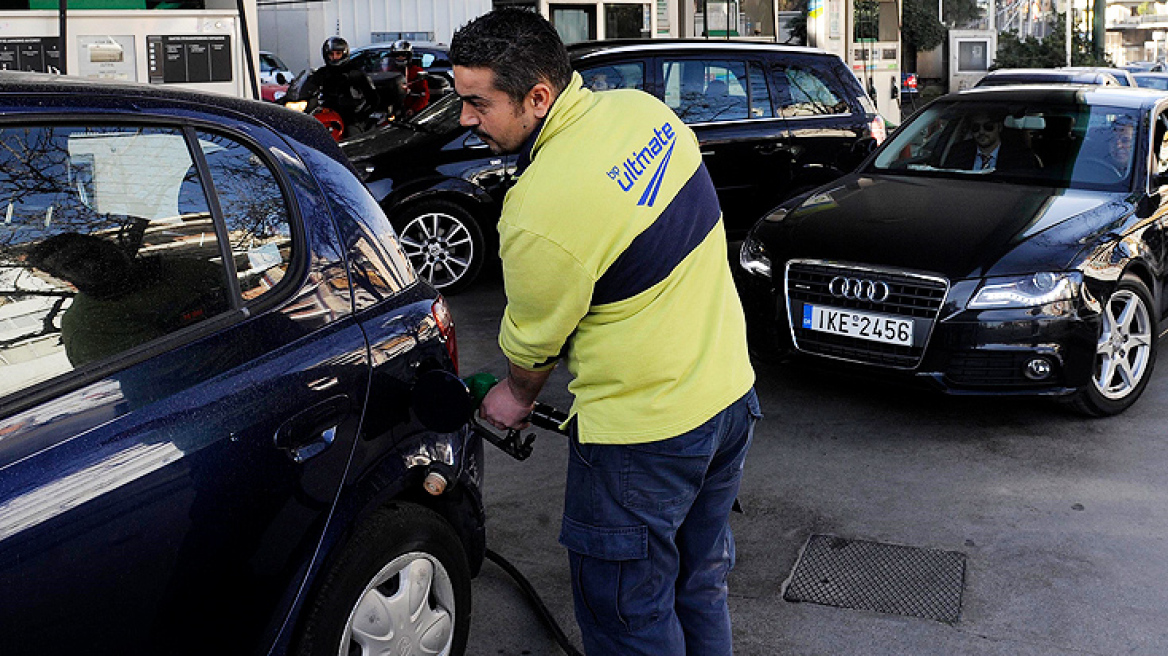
(987, 150)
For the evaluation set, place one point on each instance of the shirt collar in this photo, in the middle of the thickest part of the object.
(524, 160)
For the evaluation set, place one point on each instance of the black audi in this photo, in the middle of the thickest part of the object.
(1002, 241)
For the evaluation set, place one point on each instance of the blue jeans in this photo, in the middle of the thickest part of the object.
(648, 537)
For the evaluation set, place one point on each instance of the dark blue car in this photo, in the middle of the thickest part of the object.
(209, 336)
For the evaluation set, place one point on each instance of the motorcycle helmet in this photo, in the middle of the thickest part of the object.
(335, 44)
(401, 48)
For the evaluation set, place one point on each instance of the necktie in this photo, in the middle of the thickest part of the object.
(985, 160)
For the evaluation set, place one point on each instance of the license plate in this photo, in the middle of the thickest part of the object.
(861, 325)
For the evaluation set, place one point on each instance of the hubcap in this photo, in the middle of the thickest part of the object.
(406, 610)
(1125, 346)
(439, 246)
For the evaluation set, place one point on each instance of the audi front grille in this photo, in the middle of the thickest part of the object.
(878, 291)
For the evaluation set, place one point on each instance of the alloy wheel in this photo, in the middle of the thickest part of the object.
(1125, 346)
(440, 247)
(408, 608)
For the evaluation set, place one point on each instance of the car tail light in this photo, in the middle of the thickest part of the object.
(445, 320)
(879, 133)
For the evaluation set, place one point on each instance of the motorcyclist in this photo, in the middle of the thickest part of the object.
(401, 58)
(342, 86)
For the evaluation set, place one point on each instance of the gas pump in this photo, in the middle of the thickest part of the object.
(866, 35)
(202, 44)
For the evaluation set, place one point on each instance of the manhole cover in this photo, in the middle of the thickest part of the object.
(885, 578)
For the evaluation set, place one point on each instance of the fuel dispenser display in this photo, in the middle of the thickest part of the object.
(205, 48)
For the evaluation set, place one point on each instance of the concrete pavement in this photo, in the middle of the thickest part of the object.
(1063, 520)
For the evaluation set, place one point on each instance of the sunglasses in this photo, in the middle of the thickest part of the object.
(987, 126)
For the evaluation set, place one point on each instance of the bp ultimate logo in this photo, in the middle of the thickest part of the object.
(656, 153)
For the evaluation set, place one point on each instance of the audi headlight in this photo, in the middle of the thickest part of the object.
(1030, 290)
(753, 256)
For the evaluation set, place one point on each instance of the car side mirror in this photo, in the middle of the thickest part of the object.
(441, 401)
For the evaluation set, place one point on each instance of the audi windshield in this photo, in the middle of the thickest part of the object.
(1049, 144)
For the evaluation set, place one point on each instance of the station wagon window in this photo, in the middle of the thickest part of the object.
(630, 75)
(804, 92)
(254, 210)
(107, 243)
(702, 91)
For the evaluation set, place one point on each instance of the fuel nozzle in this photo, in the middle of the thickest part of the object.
(514, 444)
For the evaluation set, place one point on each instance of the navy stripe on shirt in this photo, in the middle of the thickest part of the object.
(657, 251)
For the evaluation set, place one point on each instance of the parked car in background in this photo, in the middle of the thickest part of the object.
(273, 93)
(1152, 80)
(433, 58)
(1145, 67)
(1015, 76)
(773, 121)
(272, 70)
(1121, 75)
(441, 187)
(209, 339)
(1041, 275)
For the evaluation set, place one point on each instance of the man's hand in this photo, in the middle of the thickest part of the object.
(509, 404)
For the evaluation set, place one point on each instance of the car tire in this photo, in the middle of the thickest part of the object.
(1125, 352)
(444, 243)
(401, 585)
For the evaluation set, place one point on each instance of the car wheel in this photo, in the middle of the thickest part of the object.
(444, 243)
(401, 586)
(1125, 352)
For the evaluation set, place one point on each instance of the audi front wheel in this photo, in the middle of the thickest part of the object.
(1125, 352)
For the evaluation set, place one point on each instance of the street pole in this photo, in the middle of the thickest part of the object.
(1070, 33)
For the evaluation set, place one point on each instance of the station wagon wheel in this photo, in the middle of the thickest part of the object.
(1125, 351)
(401, 586)
(444, 243)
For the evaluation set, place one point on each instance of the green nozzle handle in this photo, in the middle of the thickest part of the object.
(479, 384)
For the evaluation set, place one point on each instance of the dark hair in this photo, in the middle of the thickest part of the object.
(519, 46)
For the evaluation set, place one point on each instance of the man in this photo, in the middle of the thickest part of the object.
(401, 55)
(614, 255)
(1121, 144)
(986, 151)
(343, 87)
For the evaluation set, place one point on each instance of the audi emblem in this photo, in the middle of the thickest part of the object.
(858, 289)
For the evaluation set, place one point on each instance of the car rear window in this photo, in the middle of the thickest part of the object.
(255, 213)
(628, 75)
(108, 243)
(806, 91)
(702, 91)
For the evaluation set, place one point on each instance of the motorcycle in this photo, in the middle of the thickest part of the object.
(391, 91)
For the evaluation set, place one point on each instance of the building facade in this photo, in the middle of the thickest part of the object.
(295, 29)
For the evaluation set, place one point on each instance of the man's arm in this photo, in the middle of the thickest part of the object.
(509, 403)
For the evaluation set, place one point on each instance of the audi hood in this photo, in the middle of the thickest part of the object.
(958, 228)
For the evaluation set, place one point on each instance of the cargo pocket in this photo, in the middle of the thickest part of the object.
(612, 578)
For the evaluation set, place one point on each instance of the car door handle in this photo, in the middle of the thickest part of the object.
(707, 152)
(768, 148)
(309, 432)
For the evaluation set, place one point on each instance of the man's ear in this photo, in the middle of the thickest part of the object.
(541, 98)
